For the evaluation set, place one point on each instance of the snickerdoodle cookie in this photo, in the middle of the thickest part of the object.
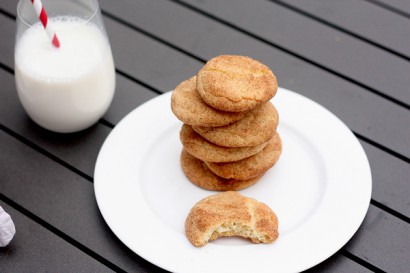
(231, 214)
(258, 126)
(199, 174)
(235, 83)
(250, 167)
(189, 107)
(201, 148)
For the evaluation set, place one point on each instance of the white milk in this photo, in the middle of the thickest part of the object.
(65, 89)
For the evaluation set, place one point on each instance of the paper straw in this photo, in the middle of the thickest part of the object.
(41, 13)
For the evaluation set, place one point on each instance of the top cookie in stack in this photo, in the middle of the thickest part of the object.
(235, 83)
(229, 135)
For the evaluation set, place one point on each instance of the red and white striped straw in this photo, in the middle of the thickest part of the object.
(41, 13)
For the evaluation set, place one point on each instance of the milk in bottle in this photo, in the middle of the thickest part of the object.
(65, 89)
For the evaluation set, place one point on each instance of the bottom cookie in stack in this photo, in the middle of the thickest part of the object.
(235, 175)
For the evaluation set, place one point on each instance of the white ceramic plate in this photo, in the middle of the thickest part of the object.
(320, 190)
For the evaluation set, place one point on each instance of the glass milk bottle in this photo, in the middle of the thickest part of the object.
(69, 88)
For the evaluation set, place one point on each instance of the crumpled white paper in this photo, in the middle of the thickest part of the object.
(7, 228)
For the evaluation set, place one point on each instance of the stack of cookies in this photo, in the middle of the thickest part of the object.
(229, 133)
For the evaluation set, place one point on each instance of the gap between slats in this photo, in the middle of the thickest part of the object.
(45, 152)
(360, 261)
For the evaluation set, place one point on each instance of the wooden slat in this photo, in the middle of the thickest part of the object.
(7, 40)
(362, 18)
(9, 5)
(61, 198)
(323, 45)
(148, 60)
(36, 249)
(390, 179)
(337, 263)
(382, 240)
(128, 96)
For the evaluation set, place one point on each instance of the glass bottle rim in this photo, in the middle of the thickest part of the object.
(20, 17)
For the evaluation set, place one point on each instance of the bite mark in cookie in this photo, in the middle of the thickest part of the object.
(231, 214)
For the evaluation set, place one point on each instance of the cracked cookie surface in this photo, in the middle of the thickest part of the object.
(235, 83)
(258, 126)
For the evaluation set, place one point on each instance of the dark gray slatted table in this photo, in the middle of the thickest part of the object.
(353, 57)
